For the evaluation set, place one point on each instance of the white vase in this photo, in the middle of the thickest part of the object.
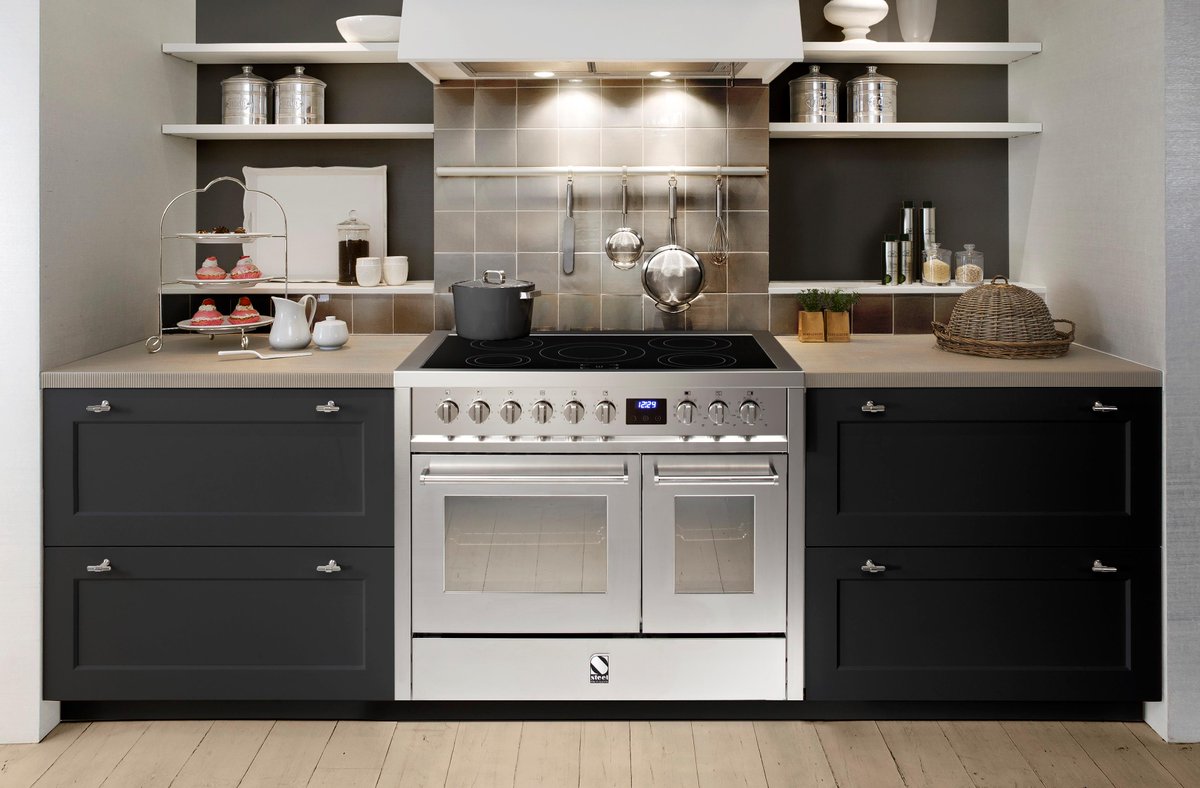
(855, 17)
(916, 19)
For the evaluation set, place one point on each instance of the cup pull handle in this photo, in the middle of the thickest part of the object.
(1100, 407)
(328, 407)
(1097, 566)
(103, 566)
(872, 568)
(330, 567)
(871, 407)
(103, 407)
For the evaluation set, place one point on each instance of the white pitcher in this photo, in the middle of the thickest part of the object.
(292, 329)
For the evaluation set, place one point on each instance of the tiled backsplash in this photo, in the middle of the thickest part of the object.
(514, 223)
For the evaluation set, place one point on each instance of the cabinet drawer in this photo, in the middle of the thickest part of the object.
(984, 624)
(218, 624)
(987, 467)
(218, 467)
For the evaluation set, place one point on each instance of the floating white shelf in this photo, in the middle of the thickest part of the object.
(283, 53)
(911, 131)
(417, 287)
(318, 131)
(937, 53)
(874, 288)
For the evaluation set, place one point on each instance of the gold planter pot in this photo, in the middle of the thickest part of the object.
(812, 326)
(837, 326)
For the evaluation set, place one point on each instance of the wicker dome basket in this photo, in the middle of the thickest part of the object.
(1003, 321)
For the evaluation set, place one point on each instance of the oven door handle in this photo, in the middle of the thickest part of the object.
(771, 478)
(459, 478)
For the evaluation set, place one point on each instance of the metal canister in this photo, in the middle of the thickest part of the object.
(873, 97)
(814, 97)
(299, 99)
(245, 98)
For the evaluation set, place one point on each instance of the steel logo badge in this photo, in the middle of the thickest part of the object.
(598, 669)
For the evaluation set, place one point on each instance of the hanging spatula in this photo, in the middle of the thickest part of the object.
(568, 231)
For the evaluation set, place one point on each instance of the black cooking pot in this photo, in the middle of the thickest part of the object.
(493, 307)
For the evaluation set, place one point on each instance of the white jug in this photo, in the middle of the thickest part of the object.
(292, 328)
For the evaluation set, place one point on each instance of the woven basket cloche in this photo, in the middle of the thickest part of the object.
(1002, 320)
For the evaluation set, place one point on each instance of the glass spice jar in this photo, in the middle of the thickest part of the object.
(936, 268)
(968, 266)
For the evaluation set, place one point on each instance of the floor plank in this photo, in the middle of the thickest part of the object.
(792, 755)
(1055, 756)
(92, 757)
(990, 757)
(858, 755)
(1181, 760)
(354, 756)
(662, 755)
(604, 755)
(225, 754)
(923, 755)
(289, 755)
(159, 754)
(727, 755)
(549, 754)
(22, 764)
(1120, 755)
(485, 755)
(419, 755)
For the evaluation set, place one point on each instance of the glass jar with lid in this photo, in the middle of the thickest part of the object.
(935, 270)
(353, 243)
(968, 266)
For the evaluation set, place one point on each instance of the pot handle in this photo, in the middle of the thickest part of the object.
(487, 277)
(529, 295)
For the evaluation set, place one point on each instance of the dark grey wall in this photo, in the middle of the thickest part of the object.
(266, 21)
(833, 200)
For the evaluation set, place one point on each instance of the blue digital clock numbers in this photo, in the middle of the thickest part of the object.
(645, 411)
(647, 404)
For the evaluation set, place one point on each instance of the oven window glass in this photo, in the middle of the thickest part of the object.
(527, 544)
(714, 544)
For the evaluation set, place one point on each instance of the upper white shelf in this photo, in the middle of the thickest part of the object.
(969, 53)
(316, 131)
(283, 53)
(874, 288)
(909, 131)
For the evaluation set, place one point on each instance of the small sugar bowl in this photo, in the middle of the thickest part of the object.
(331, 333)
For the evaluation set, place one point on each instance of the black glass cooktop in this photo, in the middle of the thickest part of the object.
(602, 352)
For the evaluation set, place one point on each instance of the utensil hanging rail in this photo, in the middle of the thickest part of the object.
(495, 172)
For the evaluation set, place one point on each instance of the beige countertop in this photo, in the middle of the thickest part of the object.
(917, 362)
(367, 361)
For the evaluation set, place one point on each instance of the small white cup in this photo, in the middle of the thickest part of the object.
(395, 270)
(368, 271)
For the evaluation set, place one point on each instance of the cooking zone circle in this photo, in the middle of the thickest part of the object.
(593, 353)
(698, 360)
(690, 343)
(524, 343)
(498, 360)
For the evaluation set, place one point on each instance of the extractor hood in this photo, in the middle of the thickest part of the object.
(572, 39)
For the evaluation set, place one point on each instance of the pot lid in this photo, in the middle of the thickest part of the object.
(299, 78)
(496, 280)
(248, 76)
(873, 75)
(814, 75)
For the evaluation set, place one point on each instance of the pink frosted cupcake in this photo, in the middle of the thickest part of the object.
(245, 269)
(210, 270)
(207, 314)
(244, 312)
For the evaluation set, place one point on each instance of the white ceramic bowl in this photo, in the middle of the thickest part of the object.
(371, 27)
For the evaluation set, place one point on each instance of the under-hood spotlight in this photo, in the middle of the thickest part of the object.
(660, 74)
(543, 74)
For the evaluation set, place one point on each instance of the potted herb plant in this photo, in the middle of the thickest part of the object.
(837, 315)
(812, 315)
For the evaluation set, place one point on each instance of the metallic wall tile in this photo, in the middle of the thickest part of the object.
(621, 148)
(749, 312)
(705, 146)
(654, 319)
(537, 231)
(581, 147)
(496, 147)
(454, 194)
(943, 307)
(537, 107)
(748, 107)
(412, 314)
(749, 230)
(914, 314)
(704, 106)
(496, 231)
(749, 147)
(453, 148)
(663, 106)
(495, 194)
(373, 314)
(871, 315)
(664, 147)
(622, 107)
(537, 147)
(537, 193)
(579, 107)
(454, 231)
(621, 312)
(495, 108)
(454, 108)
(545, 312)
(785, 320)
(616, 281)
(586, 278)
(749, 272)
(541, 268)
(709, 312)
(579, 312)
(337, 305)
(492, 261)
(451, 268)
(443, 312)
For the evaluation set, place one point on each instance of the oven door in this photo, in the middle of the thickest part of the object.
(525, 544)
(715, 543)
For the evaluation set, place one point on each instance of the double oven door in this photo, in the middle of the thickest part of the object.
(590, 544)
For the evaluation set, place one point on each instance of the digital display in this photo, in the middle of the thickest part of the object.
(645, 411)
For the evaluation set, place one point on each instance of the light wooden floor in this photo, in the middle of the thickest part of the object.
(559, 754)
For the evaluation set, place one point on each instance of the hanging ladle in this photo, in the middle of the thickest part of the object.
(624, 246)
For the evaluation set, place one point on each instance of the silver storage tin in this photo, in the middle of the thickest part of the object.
(299, 99)
(245, 98)
(873, 97)
(814, 97)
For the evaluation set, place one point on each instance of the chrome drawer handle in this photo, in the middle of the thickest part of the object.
(328, 407)
(329, 568)
(1099, 567)
(872, 568)
(871, 407)
(103, 407)
(103, 566)
(472, 478)
(1100, 407)
(768, 478)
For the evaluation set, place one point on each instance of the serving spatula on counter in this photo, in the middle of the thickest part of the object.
(568, 231)
(255, 353)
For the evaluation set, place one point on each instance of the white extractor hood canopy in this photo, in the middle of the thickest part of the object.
(507, 39)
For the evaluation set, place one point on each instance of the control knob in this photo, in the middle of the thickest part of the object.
(510, 411)
(447, 410)
(686, 411)
(542, 411)
(573, 412)
(716, 412)
(749, 411)
(605, 412)
(479, 411)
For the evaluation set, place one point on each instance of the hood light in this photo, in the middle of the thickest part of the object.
(543, 74)
(660, 74)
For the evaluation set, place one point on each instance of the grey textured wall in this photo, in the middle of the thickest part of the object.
(265, 21)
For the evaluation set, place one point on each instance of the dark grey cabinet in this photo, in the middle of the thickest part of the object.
(154, 623)
(983, 467)
(926, 624)
(219, 467)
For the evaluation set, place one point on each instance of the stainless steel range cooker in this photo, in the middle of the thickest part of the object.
(600, 516)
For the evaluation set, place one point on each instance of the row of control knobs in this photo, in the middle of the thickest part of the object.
(573, 412)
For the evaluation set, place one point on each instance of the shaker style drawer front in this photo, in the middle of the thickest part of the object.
(130, 623)
(219, 467)
(1052, 624)
(983, 467)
